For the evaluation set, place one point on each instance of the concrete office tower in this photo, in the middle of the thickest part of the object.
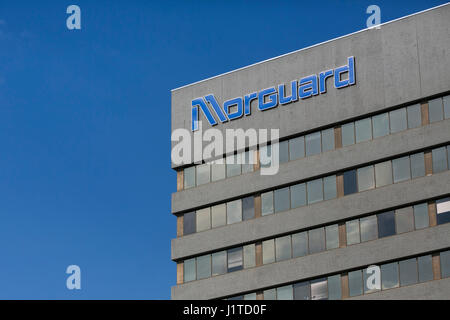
(363, 180)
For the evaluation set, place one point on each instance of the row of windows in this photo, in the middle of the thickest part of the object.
(393, 275)
(317, 240)
(321, 141)
(355, 180)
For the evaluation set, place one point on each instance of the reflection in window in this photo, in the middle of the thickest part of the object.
(268, 250)
(332, 236)
(445, 264)
(219, 263)
(234, 211)
(234, 259)
(350, 185)
(355, 284)
(319, 290)
(267, 203)
(302, 291)
(389, 275)
(425, 267)
(218, 170)
(248, 208)
(233, 165)
(283, 151)
(334, 287)
(329, 187)
(352, 228)
(366, 178)
(443, 210)
(283, 248)
(249, 256)
(369, 228)
(270, 294)
(386, 224)
(248, 161)
(313, 143)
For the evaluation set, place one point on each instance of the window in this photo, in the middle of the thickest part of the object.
(315, 192)
(389, 275)
(234, 259)
(296, 148)
(265, 156)
(439, 156)
(219, 263)
(421, 218)
(203, 174)
(268, 250)
(218, 170)
(352, 228)
(283, 248)
(189, 223)
(248, 208)
(267, 203)
(283, 151)
(405, 219)
(319, 290)
(363, 129)
(369, 228)
(302, 291)
(443, 210)
(366, 275)
(234, 211)
(386, 224)
(203, 219)
(380, 125)
(355, 284)
(298, 195)
(334, 287)
(285, 293)
(189, 177)
(204, 267)
(249, 256)
(248, 161)
(448, 156)
(366, 179)
(401, 169)
(282, 201)
(250, 296)
(332, 236)
(398, 120)
(446, 100)
(233, 165)
(425, 267)
(417, 165)
(435, 110)
(189, 273)
(408, 272)
(327, 140)
(348, 134)
(383, 173)
(219, 215)
(445, 264)
(270, 294)
(414, 116)
(350, 185)
(313, 143)
(316, 240)
(329, 187)
(300, 244)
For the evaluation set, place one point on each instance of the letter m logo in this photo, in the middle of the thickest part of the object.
(201, 102)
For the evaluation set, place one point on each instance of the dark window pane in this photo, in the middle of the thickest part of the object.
(443, 210)
(282, 201)
(189, 223)
(248, 208)
(425, 268)
(446, 100)
(408, 272)
(302, 291)
(350, 185)
(236, 298)
(319, 290)
(234, 259)
(386, 224)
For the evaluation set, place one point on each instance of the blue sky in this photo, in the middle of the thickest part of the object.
(85, 172)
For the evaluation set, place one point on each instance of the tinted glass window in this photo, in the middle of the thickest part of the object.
(366, 179)
(219, 263)
(425, 267)
(302, 291)
(329, 187)
(314, 190)
(443, 210)
(219, 215)
(363, 129)
(282, 201)
(284, 151)
(267, 203)
(386, 224)
(417, 165)
(189, 223)
(408, 272)
(334, 287)
(265, 154)
(421, 218)
(218, 170)
(439, 156)
(369, 228)
(348, 134)
(398, 120)
(234, 211)
(296, 148)
(316, 240)
(435, 110)
(319, 289)
(446, 107)
(283, 248)
(327, 140)
(270, 294)
(204, 267)
(380, 125)
(312, 143)
(233, 165)
(248, 208)
(203, 219)
(268, 250)
(249, 256)
(355, 284)
(414, 116)
(383, 173)
(298, 195)
(389, 275)
(250, 296)
(352, 228)
(189, 177)
(248, 161)
(350, 185)
(285, 293)
(332, 236)
(405, 219)
(203, 174)
(300, 244)
(234, 259)
(445, 264)
(189, 270)
(401, 169)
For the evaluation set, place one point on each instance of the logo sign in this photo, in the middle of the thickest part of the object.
(269, 98)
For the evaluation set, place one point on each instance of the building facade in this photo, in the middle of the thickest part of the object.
(363, 185)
